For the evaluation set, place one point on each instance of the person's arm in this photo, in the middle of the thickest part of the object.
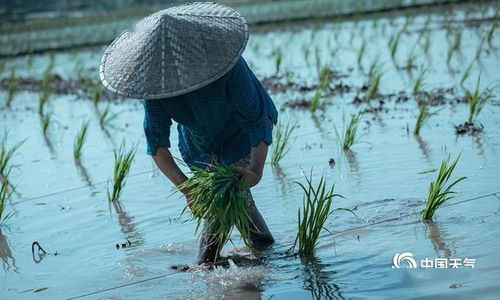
(252, 174)
(167, 165)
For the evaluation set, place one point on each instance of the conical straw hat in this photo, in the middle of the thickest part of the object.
(174, 51)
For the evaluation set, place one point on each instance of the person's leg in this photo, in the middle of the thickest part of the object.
(261, 236)
(210, 245)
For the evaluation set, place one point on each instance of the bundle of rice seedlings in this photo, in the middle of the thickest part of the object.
(278, 59)
(5, 194)
(80, 140)
(478, 100)
(324, 81)
(316, 208)
(466, 73)
(374, 84)
(439, 193)
(6, 154)
(423, 115)
(45, 94)
(218, 197)
(106, 116)
(97, 93)
(420, 81)
(349, 135)
(11, 89)
(281, 142)
(123, 162)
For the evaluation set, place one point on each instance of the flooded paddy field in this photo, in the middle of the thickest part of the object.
(318, 73)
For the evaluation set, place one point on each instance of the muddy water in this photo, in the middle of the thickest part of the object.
(64, 207)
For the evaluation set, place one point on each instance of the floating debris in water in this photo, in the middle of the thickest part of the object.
(123, 245)
(40, 252)
(331, 162)
(468, 128)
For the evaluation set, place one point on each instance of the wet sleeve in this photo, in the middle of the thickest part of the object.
(250, 102)
(157, 124)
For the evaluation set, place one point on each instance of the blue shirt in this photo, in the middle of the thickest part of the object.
(219, 122)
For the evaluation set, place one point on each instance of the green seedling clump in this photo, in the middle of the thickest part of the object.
(439, 190)
(477, 101)
(80, 140)
(281, 143)
(218, 197)
(316, 208)
(123, 163)
(349, 135)
(423, 116)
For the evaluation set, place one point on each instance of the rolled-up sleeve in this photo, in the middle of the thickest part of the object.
(250, 101)
(157, 124)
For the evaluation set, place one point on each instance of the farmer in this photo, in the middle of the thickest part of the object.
(185, 61)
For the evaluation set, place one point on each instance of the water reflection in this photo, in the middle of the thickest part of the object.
(478, 143)
(423, 147)
(8, 261)
(280, 176)
(437, 235)
(127, 224)
(83, 172)
(352, 160)
(318, 280)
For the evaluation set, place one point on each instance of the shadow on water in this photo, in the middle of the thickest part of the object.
(437, 234)
(318, 280)
(8, 261)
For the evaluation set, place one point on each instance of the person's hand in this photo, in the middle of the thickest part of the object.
(249, 176)
(189, 198)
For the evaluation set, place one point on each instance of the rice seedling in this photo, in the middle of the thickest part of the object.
(278, 60)
(349, 135)
(455, 46)
(491, 34)
(106, 116)
(11, 89)
(45, 123)
(394, 42)
(281, 144)
(439, 190)
(466, 73)
(123, 162)
(478, 100)
(6, 155)
(479, 49)
(80, 140)
(410, 61)
(5, 194)
(218, 197)
(316, 208)
(45, 94)
(97, 93)
(423, 116)
(419, 82)
(361, 53)
(374, 66)
(374, 84)
(325, 80)
(427, 43)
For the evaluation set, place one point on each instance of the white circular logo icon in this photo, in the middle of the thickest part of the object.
(401, 257)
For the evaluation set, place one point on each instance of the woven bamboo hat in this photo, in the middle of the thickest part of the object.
(174, 51)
